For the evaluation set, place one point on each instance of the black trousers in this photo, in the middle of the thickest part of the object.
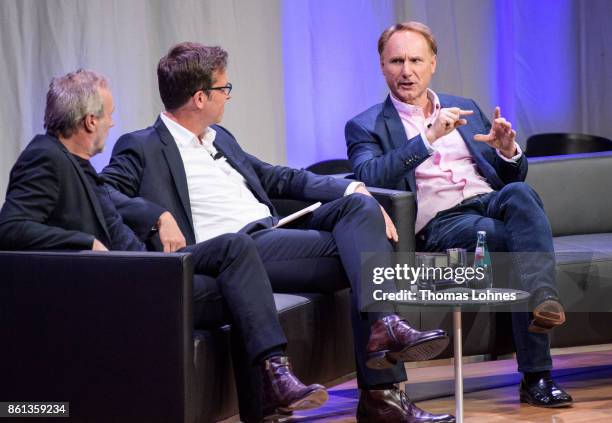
(241, 294)
(231, 286)
(343, 228)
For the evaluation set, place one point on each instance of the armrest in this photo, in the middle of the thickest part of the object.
(111, 333)
(401, 207)
(399, 204)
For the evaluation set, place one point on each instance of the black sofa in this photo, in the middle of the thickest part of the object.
(112, 332)
(577, 192)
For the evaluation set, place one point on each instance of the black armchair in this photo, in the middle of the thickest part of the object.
(556, 144)
(330, 167)
(111, 333)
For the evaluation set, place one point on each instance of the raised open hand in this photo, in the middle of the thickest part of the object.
(501, 136)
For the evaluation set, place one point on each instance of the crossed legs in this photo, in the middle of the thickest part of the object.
(343, 229)
(515, 222)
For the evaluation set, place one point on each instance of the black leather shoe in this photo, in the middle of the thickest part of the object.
(548, 313)
(544, 392)
(393, 406)
(392, 340)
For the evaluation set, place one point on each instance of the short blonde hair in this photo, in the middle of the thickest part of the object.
(413, 26)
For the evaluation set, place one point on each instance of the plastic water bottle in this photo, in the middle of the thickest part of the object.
(482, 260)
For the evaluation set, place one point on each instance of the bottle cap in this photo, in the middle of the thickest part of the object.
(481, 232)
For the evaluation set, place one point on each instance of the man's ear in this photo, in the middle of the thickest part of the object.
(201, 99)
(434, 62)
(90, 123)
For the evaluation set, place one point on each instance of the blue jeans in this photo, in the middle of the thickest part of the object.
(515, 221)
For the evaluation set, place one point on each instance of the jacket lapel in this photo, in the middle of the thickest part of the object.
(93, 200)
(229, 155)
(467, 133)
(397, 135)
(238, 163)
(176, 167)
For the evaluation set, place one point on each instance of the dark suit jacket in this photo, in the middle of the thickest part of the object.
(382, 156)
(147, 163)
(50, 205)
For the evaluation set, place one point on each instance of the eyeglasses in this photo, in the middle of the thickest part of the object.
(227, 89)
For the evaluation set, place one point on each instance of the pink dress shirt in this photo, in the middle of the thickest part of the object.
(449, 175)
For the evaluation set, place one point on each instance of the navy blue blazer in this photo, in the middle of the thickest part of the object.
(51, 205)
(147, 164)
(383, 156)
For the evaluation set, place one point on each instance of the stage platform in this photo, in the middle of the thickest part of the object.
(491, 390)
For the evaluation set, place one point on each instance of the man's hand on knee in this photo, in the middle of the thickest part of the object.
(169, 233)
(389, 226)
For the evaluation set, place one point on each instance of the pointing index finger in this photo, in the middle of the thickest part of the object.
(497, 112)
(465, 112)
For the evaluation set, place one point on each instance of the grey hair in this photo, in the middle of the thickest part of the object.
(71, 98)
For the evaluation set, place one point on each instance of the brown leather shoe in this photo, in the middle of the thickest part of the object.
(283, 392)
(548, 312)
(394, 406)
(392, 340)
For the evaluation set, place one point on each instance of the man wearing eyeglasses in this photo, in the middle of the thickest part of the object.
(57, 201)
(196, 170)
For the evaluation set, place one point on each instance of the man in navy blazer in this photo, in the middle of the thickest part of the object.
(468, 176)
(195, 169)
(57, 201)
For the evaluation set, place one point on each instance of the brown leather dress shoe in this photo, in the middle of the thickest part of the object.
(393, 406)
(283, 392)
(548, 312)
(392, 340)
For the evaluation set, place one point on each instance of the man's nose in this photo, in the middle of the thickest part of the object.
(407, 69)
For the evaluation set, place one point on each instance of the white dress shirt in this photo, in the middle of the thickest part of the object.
(221, 202)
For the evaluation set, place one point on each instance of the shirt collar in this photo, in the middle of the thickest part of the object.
(412, 110)
(183, 137)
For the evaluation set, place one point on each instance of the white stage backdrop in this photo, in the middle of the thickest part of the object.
(124, 40)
